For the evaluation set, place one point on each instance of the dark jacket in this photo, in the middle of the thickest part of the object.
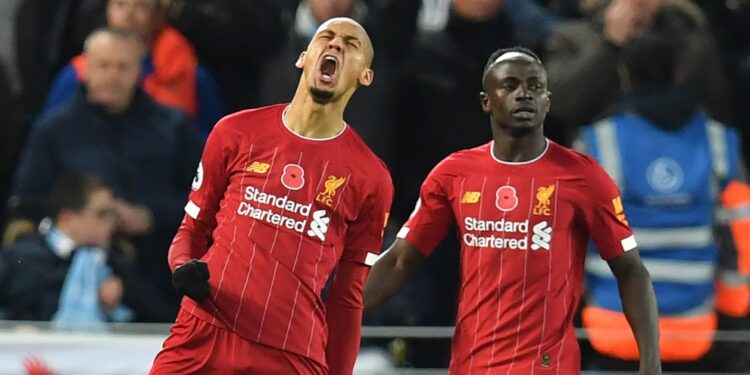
(148, 156)
(32, 277)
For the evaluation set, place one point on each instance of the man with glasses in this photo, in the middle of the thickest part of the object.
(39, 272)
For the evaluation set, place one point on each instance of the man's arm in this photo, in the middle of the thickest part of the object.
(344, 316)
(391, 272)
(190, 275)
(639, 306)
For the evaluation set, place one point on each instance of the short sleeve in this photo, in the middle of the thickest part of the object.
(364, 236)
(605, 217)
(432, 216)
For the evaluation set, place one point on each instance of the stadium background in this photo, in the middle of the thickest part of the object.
(429, 54)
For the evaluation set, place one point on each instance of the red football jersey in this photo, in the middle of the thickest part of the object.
(279, 211)
(523, 228)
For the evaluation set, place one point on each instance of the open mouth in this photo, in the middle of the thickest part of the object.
(328, 68)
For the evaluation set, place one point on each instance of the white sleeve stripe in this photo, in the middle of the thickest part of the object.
(402, 233)
(371, 258)
(629, 243)
(192, 210)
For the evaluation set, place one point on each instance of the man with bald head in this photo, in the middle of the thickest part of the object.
(112, 129)
(169, 68)
(283, 195)
(526, 208)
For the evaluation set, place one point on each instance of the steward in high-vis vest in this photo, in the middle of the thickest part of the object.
(685, 191)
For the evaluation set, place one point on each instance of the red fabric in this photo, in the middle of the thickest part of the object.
(196, 347)
(524, 229)
(281, 212)
(173, 81)
(344, 316)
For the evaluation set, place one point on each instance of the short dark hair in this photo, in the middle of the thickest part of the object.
(495, 55)
(72, 190)
(650, 59)
(502, 51)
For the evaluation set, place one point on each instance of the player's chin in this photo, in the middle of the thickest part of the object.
(524, 127)
(321, 96)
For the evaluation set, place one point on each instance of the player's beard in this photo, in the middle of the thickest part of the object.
(321, 96)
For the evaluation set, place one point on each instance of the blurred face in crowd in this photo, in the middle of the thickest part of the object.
(477, 10)
(95, 223)
(136, 16)
(326, 9)
(515, 93)
(112, 69)
(337, 61)
(641, 11)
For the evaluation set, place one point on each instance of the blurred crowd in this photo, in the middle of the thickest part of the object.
(105, 105)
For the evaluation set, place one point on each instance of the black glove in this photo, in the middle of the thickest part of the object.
(191, 279)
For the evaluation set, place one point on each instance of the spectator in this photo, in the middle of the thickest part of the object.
(170, 72)
(145, 151)
(67, 271)
(220, 31)
(582, 57)
(674, 164)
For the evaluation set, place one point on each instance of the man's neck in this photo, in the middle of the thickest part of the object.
(517, 149)
(313, 120)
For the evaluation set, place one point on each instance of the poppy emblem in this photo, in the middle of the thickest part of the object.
(293, 177)
(506, 198)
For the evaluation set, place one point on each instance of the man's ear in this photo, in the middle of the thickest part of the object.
(365, 79)
(300, 63)
(485, 101)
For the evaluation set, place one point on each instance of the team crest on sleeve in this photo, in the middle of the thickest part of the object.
(293, 177)
(198, 179)
(331, 185)
(506, 198)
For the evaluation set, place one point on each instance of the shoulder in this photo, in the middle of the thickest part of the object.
(568, 157)
(254, 118)
(461, 161)
(163, 115)
(68, 114)
(28, 247)
(574, 162)
(373, 168)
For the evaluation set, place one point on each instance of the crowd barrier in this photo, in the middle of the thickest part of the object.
(124, 349)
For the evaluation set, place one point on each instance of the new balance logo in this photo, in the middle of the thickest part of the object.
(319, 225)
(542, 236)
